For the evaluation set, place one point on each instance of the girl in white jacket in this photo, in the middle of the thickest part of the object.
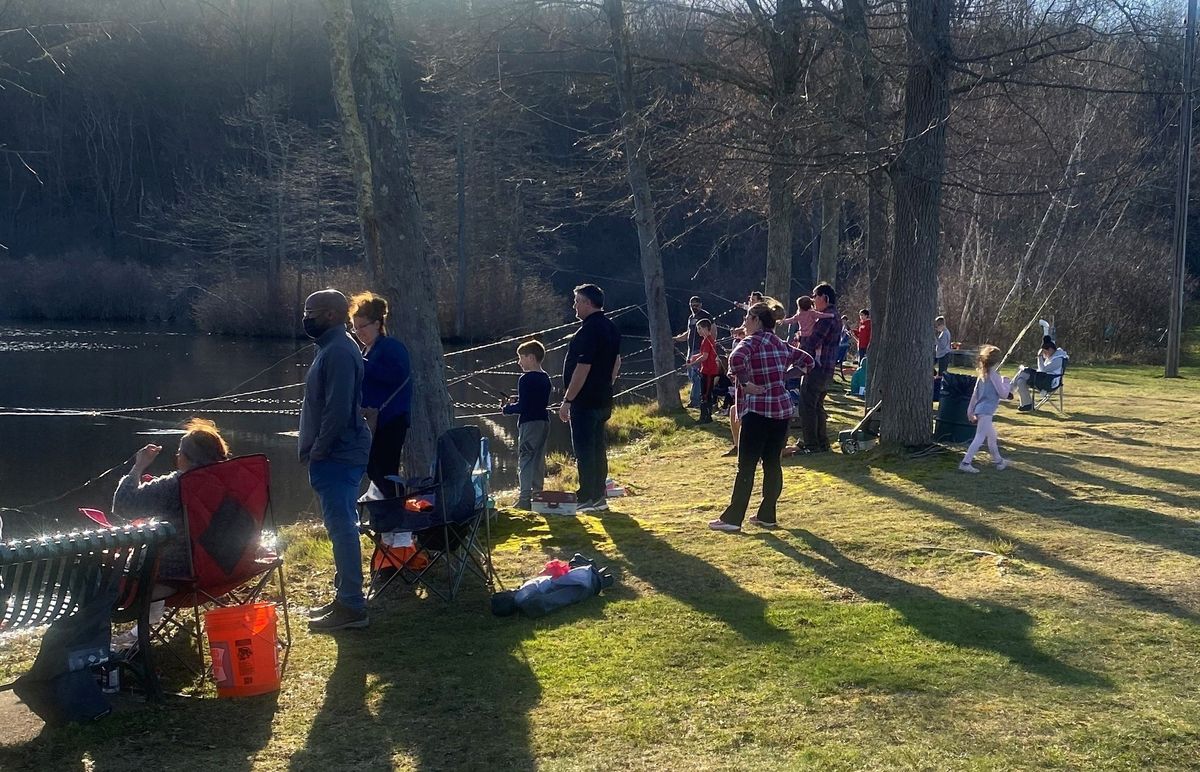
(990, 388)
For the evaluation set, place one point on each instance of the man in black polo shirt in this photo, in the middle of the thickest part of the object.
(593, 361)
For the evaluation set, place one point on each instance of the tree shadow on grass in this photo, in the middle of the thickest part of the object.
(1061, 503)
(1129, 592)
(690, 580)
(1100, 418)
(980, 625)
(183, 733)
(1120, 439)
(445, 684)
(1172, 476)
(1069, 467)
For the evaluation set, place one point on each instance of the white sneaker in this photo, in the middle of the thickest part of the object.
(1001, 465)
(965, 467)
(721, 525)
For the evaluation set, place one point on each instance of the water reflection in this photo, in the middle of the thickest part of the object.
(79, 369)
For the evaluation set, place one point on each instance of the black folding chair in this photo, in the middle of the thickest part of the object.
(446, 514)
(1056, 388)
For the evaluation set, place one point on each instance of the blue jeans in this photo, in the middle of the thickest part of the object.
(697, 385)
(591, 451)
(337, 487)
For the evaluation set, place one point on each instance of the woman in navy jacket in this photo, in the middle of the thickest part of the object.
(386, 389)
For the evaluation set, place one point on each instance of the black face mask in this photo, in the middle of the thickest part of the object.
(314, 328)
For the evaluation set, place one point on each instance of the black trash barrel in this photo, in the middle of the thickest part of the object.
(952, 424)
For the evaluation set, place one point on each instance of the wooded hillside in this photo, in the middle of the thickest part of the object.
(200, 142)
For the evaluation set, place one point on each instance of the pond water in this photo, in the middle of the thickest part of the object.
(45, 455)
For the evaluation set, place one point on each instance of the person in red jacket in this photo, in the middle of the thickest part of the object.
(710, 367)
(863, 332)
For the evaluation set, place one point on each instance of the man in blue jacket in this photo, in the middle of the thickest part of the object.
(335, 443)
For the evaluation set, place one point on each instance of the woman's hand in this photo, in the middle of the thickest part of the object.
(973, 418)
(754, 389)
(145, 457)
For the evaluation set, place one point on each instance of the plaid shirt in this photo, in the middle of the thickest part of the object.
(824, 340)
(762, 359)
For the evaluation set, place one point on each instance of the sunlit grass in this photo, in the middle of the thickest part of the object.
(905, 616)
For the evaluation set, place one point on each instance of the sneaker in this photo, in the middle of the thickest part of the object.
(523, 504)
(1025, 408)
(321, 611)
(770, 526)
(730, 453)
(339, 618)
(1001, 465)
(969, 469)
(721, 525)
(593, 506)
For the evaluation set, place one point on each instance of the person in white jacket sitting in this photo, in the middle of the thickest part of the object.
(1050, 363)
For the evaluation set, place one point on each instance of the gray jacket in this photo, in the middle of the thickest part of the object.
(158, 498)
(331, 423)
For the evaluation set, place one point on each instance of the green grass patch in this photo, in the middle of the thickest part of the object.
(905, 616)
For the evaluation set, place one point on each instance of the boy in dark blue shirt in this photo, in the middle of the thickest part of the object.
(533, 397)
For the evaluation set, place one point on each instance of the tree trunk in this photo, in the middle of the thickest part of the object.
(460, 313)
(666, 387)
(831, 230)
(902, 357)
(405, 275)
(781, 209)
(854, 12)
(279, 254)
(783, 41)
(337, 28)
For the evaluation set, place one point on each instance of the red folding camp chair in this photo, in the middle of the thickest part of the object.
(226, 507)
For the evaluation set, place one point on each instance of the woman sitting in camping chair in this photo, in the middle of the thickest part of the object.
(158, 497)
(1047, 377)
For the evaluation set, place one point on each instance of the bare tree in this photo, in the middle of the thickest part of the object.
(402, 269)
(902, 355)
(667, 388)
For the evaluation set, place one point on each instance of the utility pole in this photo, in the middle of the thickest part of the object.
(1178, 271)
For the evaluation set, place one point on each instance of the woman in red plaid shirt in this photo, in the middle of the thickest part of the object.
(759, 363)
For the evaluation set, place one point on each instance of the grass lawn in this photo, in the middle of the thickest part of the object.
(905, 616)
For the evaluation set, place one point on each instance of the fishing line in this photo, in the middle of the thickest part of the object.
(33, 507)
(515, 338)
(1038, 314)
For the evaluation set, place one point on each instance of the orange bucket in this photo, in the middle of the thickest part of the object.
(244, 649)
